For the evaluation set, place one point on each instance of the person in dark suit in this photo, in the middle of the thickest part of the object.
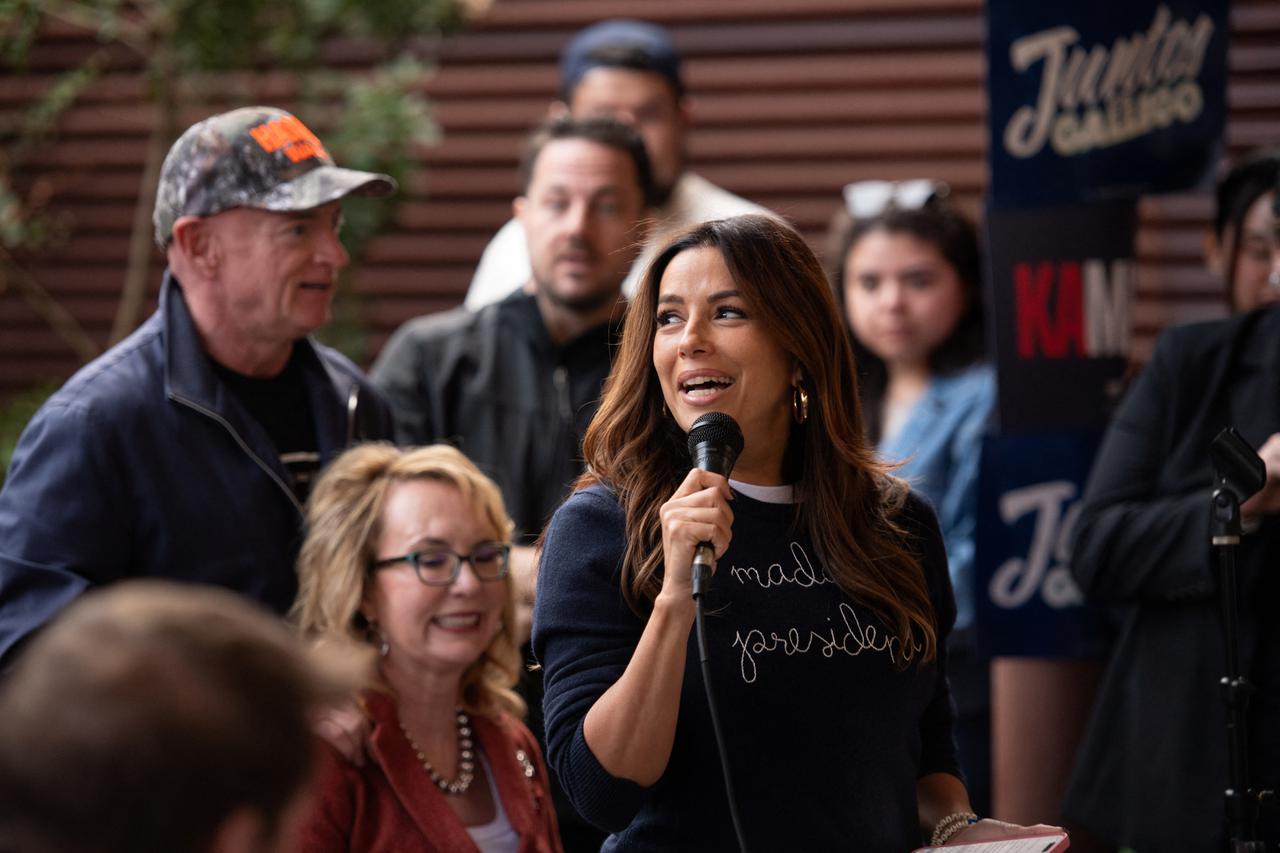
(1154, 764)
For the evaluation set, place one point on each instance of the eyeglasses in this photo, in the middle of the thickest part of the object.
(441, 567)
(865, 199)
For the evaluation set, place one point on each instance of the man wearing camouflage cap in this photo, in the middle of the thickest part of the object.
(186, 451)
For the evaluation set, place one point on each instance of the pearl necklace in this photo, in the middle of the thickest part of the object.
(466, 759)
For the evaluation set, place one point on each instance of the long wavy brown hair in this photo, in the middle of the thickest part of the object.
(846, 500)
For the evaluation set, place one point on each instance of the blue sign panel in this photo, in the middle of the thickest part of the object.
(1029, 493)
(1095, 100)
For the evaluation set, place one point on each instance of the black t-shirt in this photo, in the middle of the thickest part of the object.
(281, 406)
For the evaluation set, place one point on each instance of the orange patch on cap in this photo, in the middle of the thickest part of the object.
(288, 133)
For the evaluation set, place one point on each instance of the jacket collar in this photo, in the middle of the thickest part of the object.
(189, 378)
(420, 796)
(188, 375)
(1249, 370)
(1263, 325)
(523, 316)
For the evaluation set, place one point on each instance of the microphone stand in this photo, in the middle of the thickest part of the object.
(1240, 474)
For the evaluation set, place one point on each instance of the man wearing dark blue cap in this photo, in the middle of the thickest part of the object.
(186, 451)
(628, 70)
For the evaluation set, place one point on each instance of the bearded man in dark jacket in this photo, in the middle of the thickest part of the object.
(514, 384)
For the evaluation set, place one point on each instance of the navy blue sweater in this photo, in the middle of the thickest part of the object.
(826, 735)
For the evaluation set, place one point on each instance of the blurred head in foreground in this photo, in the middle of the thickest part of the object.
(161, 717)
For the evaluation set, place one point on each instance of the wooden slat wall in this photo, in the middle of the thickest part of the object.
(791, 101)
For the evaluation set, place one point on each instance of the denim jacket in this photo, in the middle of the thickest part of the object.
(144, 465)
(939, 445)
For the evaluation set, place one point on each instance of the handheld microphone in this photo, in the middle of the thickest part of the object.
(715, 440)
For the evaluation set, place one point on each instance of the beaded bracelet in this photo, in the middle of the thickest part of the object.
(950, 825)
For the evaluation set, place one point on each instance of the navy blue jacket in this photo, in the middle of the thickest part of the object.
(144, 465)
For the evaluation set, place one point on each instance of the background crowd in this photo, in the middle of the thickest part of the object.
(500, 520)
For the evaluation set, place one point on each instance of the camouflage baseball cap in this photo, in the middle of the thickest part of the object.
(259, 157)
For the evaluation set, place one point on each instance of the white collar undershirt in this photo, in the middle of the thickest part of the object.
(765, 494)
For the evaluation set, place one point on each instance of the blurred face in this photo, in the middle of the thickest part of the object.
(902, 297)
(580, 218)
(644, 100)
(276, 272)
(437, 629)
(712, 355)
(1257, 257)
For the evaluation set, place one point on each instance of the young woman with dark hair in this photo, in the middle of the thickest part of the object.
(909, 277)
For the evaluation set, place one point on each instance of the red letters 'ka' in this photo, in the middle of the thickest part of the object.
(1043, 332)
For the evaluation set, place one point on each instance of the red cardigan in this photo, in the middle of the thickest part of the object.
(391, 804)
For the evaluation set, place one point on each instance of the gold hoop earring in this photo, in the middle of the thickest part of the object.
(799, 403)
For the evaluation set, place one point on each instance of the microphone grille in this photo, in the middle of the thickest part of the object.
(717, 428)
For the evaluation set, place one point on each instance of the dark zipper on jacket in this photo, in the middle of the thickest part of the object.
(353, 405)
(248, 451)
(560, 376)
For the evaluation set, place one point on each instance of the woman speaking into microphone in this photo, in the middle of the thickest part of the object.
(829, 607)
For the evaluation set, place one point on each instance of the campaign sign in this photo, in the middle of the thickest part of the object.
(1094, 100)
(1060, 287)
(1027, 603)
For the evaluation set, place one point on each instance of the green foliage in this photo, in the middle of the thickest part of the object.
(231, 34)
(375, 119)
(382, 120)
(21, 21)
(23, 221)
(38, 122)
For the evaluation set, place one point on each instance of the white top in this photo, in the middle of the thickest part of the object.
(765, 494)
(496, 836)
(504, 266)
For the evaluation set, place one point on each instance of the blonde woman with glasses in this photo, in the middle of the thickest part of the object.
(408, 555)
